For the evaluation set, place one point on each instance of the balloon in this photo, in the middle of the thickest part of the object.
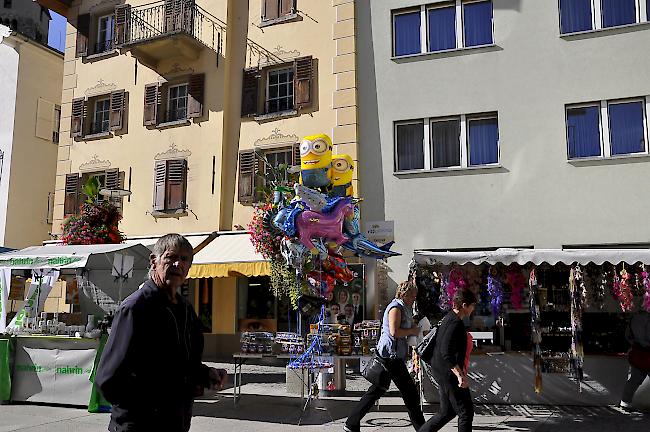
(310, 225)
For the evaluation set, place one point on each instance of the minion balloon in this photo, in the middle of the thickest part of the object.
(316, 161)
(342, 170)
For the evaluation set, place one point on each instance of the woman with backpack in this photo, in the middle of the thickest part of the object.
(392, 349)
(449, 366)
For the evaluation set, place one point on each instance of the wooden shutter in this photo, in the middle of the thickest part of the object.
(295, 155)
(270, 9)
(77, 119)
(250, 91)
(195, 93)
(112, 179)
(160, 177)
(71, 202)
(151, 101)
(247, 175)
(302, 82)
(117, 110)
(287, 7)
(83, 31)
(122, 18)
(176, 184)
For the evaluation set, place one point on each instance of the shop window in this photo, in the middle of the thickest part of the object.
(477, 23)
(287, 89)
(182, 99)
(257, 168)
(626, 134)
(442, 27)
(74, 196)
(575, 16)
(406, 33)
(483, 141)
(98, 115)
(170, 187)
(276, 11)
(445, 141)
(583, 131)
(409, 146)
(257, 306)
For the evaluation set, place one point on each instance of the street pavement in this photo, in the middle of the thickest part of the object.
(266, 406)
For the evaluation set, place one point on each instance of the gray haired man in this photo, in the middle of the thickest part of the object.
(151, 368)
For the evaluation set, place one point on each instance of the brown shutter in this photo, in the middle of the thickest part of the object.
(176, 184)
(77, 119)
(117, 110)
(295, 155)
(247, 175)
(270, 9)
(160, 177)
(195, 91)
(250, 91)
(71, 202)
(151, 100)
(302, 82)
(287, 7)
(83, 31)
(122, 18)
(112, 179)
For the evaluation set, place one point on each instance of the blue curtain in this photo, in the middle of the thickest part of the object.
(442, 28)
(618, 12)
(575, 15)
(477, 23)
(407, 33)
(647, 8)
(445, 137)
(483, 141)
(583, 131)
(626, 128)
(410, 148)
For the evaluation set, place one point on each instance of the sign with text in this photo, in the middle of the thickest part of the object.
(380, 232)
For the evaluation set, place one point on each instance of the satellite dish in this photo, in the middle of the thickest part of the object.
(114, 193)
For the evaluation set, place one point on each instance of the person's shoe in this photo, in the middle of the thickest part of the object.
(627, 407)
(347, 428)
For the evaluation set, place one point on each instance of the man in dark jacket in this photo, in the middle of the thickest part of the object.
(151, 366)
(638, 335)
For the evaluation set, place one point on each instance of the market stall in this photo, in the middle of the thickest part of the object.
(557, 317)
(51, 354)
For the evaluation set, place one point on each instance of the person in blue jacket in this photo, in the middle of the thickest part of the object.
(151, 369)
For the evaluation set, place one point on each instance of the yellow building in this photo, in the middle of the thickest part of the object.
(30, 84)
(170, 100)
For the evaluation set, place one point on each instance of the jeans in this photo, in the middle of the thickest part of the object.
(402, 379)
(635, 378)
(454, 401)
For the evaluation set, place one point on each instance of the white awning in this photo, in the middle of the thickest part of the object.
(149, 241)
(230, 253)
(97, 257)
(536, 256)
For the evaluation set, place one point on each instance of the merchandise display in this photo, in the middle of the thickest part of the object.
(256, 342)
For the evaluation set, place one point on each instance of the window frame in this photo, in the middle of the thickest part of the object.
(644, 125)
(433, 120)
(108, 44)
(107, 113)
(56, 124)
(425, 153)
(477, 117)
(462, 6)
(442, 5)
(642, 16)
(601, 132)
(404, 11)
(7, 4)
(290, 85)
(170, 99)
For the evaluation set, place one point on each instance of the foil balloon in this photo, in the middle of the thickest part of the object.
(310, 224)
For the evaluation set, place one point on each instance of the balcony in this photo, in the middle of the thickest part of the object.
(168, 29)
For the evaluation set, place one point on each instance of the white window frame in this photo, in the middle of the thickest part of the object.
(601, 132)
(597, 16)
(426, 144)
(426, 48)
(466, 118)
(459, 8)
(644, 105)
(109, 29)
(106, 112)
(170, 99)
(285, 70)
(423, 32)
(460, 141)
(277, 150)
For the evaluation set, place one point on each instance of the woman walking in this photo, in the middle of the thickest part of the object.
(449, 365)
(392, 347)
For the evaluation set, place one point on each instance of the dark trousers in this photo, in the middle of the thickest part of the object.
(635, 378)
(454, 401)
(400, 376)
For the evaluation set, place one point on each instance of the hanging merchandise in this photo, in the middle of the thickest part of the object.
(456, 283)
(495, 290)
(580, 281)
(536, 331)
(517, 282)
(623, 292)
(577, 352)
(444, 302)
(646, 286)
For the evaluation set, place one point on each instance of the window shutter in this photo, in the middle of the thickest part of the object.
(176, 184)
(77, 119)
(247, 175)
(270, 9)
(122, 18)
(44, 119)
(112, 179)
(295, 155)
(160, 177)
(117, 110)
(249, 92)
(151, 101)
(71, 202)
(302, 82)
(83, 31)
(195, 91)
(287, 7)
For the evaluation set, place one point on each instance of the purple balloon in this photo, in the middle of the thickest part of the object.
(329, 227)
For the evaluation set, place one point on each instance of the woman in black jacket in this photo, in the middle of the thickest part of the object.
(448, 365)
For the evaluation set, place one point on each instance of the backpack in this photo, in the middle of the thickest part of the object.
(426, 346)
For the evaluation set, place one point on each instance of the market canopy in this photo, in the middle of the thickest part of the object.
(149, 241)
(535, 256)
(97, 257)
(229, 254)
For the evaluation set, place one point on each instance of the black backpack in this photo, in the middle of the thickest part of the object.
(426, 346)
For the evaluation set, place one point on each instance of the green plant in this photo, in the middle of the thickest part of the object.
(91, 189)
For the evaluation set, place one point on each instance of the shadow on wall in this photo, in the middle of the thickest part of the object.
(507, 4)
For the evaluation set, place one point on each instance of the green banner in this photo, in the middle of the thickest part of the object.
(6, 353)
(97, 402)
(40, 262)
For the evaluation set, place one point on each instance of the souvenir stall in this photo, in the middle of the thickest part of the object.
(550, 324)
(50, 357)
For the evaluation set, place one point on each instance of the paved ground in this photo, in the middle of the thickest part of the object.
(265, 406)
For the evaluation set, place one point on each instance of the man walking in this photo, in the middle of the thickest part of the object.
(638, 335)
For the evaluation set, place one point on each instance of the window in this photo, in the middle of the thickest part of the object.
(170, 187)
(445, 141)
(583, 131)
(174, 102)
(256, 169)
(286, 89)
(177, 103)
(105, 26)
(442, 28)
(449, 25)
(586, 15)
(101, 116)
(618, 12)
(409, 146)
(575, 16)
(406, 31)
(7, 4)
(110, 179)
(623, 123)
(274, 10)
(279, 90)
(483, 141)
(57, 124)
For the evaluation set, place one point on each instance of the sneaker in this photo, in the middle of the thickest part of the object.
(347, 428)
